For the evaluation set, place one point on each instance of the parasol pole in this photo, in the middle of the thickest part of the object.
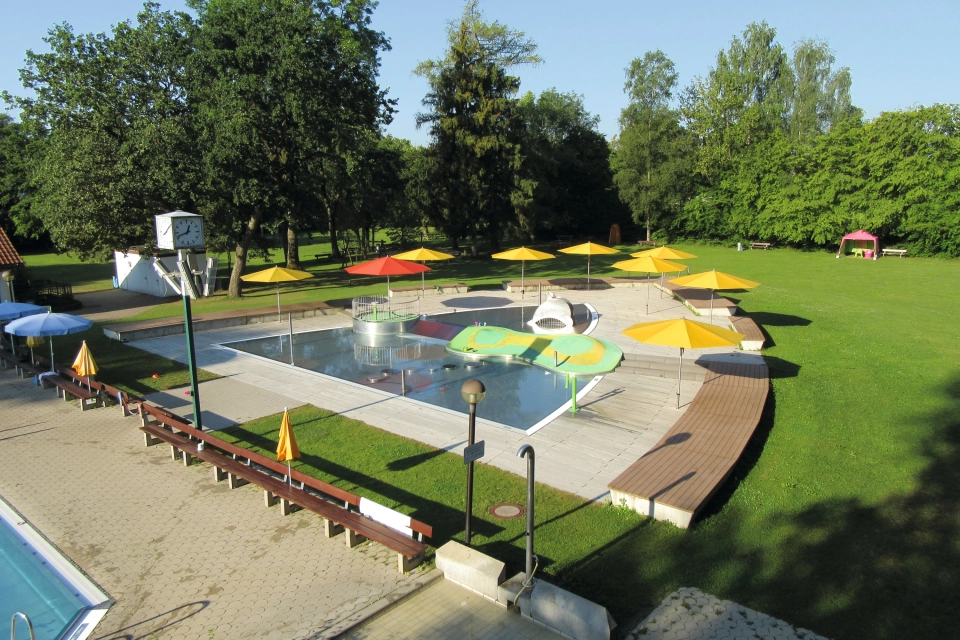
(289, 475)
(588, 272)
(648, 294)
(679, 377)
(51, 353)
(423, 286)
(279, 315)
(523, 288)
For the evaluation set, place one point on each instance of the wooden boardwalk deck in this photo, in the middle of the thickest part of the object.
(557, 284)
(699, 299)
(674, 480)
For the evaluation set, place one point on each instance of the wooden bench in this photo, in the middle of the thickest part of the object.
(699, 299)
(323, 257)
(753, 337)
(760, 245)
(894, 252)
(647, 243)
(88, 399)
(240, 466)
(431, 289)
(677, 477)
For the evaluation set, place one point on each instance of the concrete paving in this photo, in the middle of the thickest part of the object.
(690, 614)
(183, 557)
(443, 611)
(624, 415)
(224, 402)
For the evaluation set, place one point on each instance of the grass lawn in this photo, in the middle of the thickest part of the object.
(844, 514)
(122, 366)
(429, 485)
(84, 276)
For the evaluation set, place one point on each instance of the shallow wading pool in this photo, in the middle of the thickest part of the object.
(519, 395)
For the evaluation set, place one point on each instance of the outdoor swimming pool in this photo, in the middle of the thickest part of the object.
(519, 395)
(37, 580)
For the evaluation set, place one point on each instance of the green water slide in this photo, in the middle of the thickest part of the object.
(576, 354)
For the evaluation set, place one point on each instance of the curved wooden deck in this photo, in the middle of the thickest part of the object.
(674, 480)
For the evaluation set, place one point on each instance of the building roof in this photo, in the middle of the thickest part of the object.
(8, 255)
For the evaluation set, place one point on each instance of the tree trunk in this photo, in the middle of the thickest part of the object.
(293, 248)
(282, 234)
(236, 284)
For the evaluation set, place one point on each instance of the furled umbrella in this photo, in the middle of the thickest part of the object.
(14, 310)
(277, 275)
(48, 324)
(589, 249)
(715, 281)
(388, 266)
(522, 254)
(649, 265)
(287, 448)
(685, 334)
(423, 255)
(84, 364)
(664, 253)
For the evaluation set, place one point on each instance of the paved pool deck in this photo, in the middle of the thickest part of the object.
(621, 418)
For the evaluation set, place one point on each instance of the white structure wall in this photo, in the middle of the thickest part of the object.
(136, 273)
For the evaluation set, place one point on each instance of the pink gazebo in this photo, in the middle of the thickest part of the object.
(859, 242)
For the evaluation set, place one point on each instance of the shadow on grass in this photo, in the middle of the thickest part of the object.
(841, 566)
(780, 368)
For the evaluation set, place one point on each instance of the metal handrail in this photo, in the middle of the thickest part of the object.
(13, 625)
(381, 309)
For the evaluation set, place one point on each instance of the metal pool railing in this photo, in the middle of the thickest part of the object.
(382, 309)
(385, 356)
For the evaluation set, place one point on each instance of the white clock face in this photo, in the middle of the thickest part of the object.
(187, 233)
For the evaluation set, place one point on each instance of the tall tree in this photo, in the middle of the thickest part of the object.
(819, 96)
(565, 182)
(280, 86)
(650, 159)
(474, 152)
(118, 142)
(15, 215)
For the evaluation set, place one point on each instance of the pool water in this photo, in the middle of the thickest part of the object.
(29, 584)
(519, 395)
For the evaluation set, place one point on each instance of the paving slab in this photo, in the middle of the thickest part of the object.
(182, 556)
(444, 611)
(690, 614)
(224, 402)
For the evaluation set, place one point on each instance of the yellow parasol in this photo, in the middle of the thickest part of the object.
(423, 255)
(649, 265)
(522, 254)
(589, 249)
(714, 280)
(34, 341)
(85, 364)
(287, 449)
(664, 253)
(277, 275)
(685, 334)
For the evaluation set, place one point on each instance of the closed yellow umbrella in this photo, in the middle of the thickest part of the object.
(34, 341)
(685, 334)
(277, 275)
(287, 448)
(648, 265)
(423, 255)
(522, 254)
(715, 281)
(589, 249)
(85, 365)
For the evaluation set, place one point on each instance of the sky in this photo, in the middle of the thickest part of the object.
(900, 54)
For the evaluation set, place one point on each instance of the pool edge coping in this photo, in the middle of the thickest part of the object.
(88, 588)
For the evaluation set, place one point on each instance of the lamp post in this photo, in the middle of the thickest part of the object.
(473, 392)
(528, 452)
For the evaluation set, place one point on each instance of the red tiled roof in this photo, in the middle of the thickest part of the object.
(8, 255)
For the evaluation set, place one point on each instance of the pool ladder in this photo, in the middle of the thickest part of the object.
(13, 625)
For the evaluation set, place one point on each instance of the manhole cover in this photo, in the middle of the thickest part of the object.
(507, 510)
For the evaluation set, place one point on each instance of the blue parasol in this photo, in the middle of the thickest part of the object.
(48, 324)
(14, 310)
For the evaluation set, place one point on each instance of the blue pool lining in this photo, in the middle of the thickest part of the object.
(98, 600)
